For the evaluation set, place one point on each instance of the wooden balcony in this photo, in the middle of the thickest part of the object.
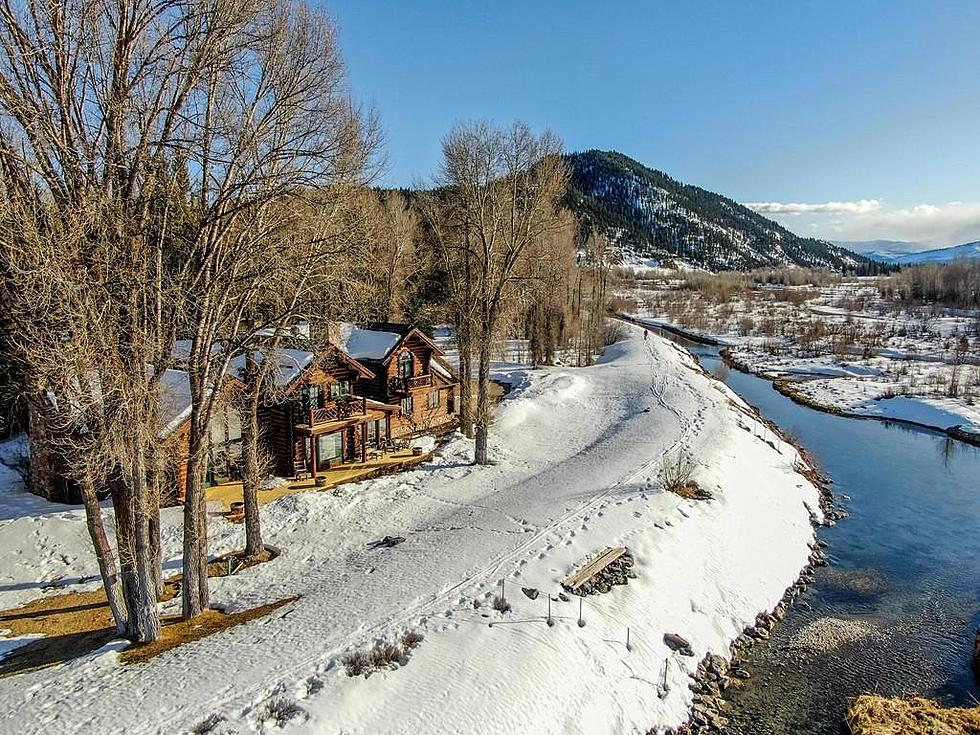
(338, 411)
(405, 385)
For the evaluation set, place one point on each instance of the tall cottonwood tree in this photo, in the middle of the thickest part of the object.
(154, 137)
(498, 194)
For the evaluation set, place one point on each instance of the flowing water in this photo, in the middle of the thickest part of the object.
(897, 610)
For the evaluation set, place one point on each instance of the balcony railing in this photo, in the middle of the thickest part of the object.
(338, 411)
(399, 384)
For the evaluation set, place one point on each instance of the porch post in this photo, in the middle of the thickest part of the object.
(364, 442)
(313, 456)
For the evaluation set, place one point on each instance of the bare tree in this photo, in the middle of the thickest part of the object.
(175, 128)
(500, 189)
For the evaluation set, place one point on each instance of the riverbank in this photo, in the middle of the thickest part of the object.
(578, 454)
(840, 347)
(819, 388)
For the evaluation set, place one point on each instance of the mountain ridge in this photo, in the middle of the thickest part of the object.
(650, 215)
(934, 255)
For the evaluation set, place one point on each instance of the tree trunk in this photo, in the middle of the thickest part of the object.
(464, 346)
(194, 587)
(132, 536)
(483, 397)
(103, 554)
(251, 475)
(155, 485)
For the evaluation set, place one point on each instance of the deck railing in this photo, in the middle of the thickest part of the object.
(338, 411)
(399, 384)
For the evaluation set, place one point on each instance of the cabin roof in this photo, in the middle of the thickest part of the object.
(175, 400)
(367, 344)
(377, 341)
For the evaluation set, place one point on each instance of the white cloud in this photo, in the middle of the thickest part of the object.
(860, 207)
(869, 219)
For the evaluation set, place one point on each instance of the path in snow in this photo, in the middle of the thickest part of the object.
(577, 454)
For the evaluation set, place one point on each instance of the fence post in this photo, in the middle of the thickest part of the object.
(550, 621)
(581, 623)
(628, 647)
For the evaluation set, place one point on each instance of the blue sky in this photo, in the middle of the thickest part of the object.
(845, 120)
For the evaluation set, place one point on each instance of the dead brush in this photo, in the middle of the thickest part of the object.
(281, 710)
(356, 663)
(411, 638)
(874, 715)
(386, 655)
(207, 725)
(677, 475)
(500, 604)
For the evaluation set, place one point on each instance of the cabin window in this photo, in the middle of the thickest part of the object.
(434, 399)
(405, 365)
(314, 397)
(329, 447)
(407, 405)
(340, 388)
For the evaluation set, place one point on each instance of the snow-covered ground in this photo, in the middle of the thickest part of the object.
(578, 452)
(845, 347)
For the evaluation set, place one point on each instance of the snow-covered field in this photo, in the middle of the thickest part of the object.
(577, 454)
(845, 347)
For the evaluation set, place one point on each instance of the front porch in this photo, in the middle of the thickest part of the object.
(382, 464)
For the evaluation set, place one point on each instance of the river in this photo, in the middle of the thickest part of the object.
(897, 609)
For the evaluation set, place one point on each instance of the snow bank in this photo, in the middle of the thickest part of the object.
(577, 454)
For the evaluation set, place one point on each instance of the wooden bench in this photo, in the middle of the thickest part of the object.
(595, 566)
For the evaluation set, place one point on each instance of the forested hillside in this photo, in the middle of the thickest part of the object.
(652, 216)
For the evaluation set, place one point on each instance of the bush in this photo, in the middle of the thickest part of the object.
(356, 663)
(313, 685)
(205, 726)
(411, 638)
(677, 475)
(281, 710)
(385, 654)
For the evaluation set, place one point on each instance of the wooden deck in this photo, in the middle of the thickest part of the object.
(595, 566)
(231, 492)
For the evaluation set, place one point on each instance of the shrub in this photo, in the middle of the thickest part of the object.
(678, 473)
(281, 710)
(411, 639)
(385, 654)
(356, 663)
(500, 603)
(205, 726)
(313, 685)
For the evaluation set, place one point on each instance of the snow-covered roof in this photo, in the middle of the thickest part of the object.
(289, 364)
(175, 400)
(366, 344)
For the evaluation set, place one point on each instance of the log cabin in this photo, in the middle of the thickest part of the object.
(319, 420)
(324, 409)
(409, 371)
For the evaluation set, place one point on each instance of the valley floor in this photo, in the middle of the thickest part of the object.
(841, 348)
(577, 458)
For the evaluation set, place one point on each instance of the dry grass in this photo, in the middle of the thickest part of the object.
(176, 632)
(76, 623)
(874, 715)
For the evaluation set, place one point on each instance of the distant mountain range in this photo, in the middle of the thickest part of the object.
(652, 217)
(899, 252)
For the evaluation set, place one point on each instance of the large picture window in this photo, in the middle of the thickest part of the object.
(329, 447)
